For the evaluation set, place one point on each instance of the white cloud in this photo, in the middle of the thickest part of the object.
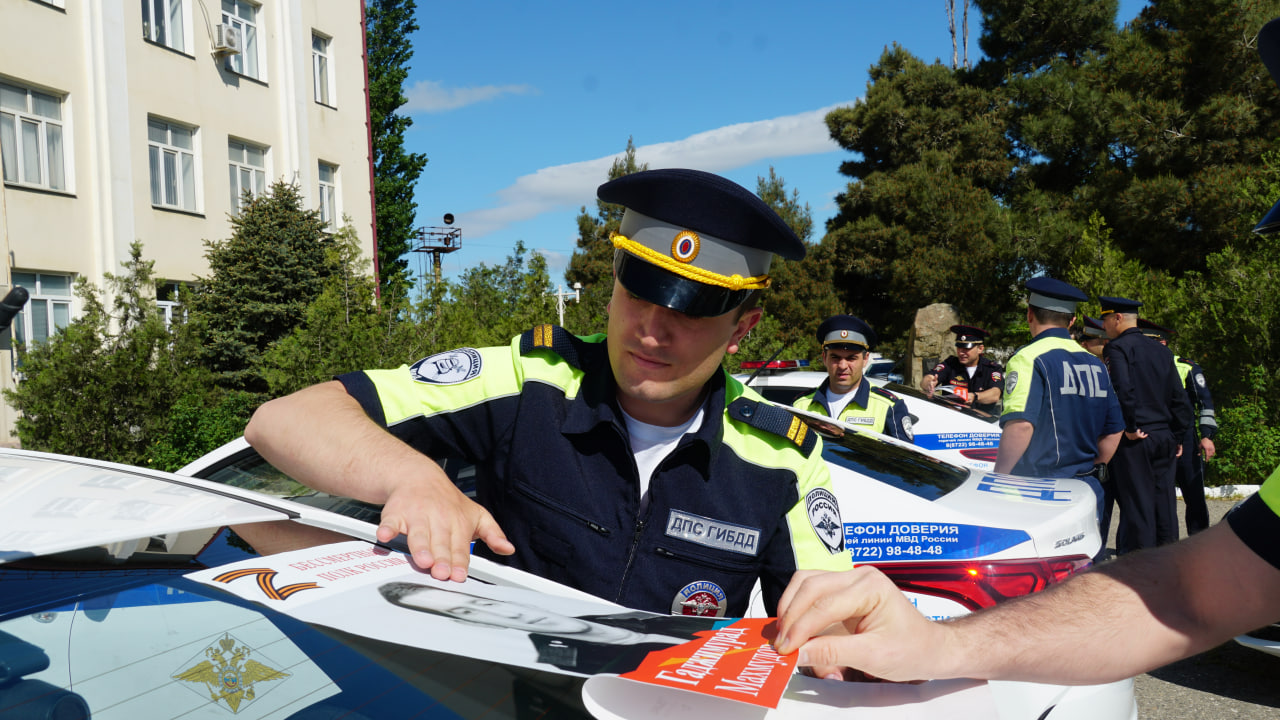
(428, 96)
(571, 186)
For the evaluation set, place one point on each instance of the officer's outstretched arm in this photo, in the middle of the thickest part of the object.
(321, 437)
(1160, 605)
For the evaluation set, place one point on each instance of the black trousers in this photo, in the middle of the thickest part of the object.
(1144, 475)
(1190, 479)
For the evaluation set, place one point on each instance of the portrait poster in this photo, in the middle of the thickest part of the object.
(369, 591)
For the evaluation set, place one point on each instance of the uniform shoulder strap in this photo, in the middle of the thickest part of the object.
(884, 394)
(553, 338)
(775, 420)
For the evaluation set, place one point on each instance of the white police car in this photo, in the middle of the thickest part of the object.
(940, 423)
(123, 596)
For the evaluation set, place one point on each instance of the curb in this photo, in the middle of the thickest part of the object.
(1228, 492)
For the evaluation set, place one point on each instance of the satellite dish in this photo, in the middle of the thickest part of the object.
(448, 218)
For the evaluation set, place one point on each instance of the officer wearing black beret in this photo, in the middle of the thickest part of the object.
(599, 460)
(1060, 415)
(973, 376)
(1156, 415)
(846, 351)
(1197, 447)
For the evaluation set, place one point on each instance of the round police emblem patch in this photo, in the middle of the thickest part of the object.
(447, 368)
(908, 427)
(824, 516)
(1011, 382)
(685, 246)
(1200, 379)
(702, 598)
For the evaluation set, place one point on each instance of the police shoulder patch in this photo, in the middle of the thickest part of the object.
(447, 368)
(824, 516)
(773, 419)
(553, 338)
(1011, 382)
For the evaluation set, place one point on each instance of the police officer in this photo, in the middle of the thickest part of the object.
(1060, 414)
(1195, 450)
(977, 379)
(846, 350)
(1156, 414)
(1092, 337)
(629, 466)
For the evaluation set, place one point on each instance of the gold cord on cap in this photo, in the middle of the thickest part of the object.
(733, 282)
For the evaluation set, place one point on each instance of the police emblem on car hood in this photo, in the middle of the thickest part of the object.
(824, 516)
(447, 368)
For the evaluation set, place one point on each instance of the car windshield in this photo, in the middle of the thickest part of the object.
(903, 468)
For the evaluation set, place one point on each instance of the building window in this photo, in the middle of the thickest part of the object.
(248, 171)
(47, 311)
(31, 138)
(169, 301)
(243, 16)
(173, 165)
(162, 22)
(329, 195)
(320, 69)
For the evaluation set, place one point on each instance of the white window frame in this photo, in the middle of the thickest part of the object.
(177, 164)
(169, 301)
(50, 137)
(50, 304)
(247, 62)
(158, 20)
(242, 170)
(322, 70)
(327, 202)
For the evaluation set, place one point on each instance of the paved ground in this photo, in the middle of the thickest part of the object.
(1230, 681)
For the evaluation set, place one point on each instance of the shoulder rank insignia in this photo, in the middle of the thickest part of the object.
(553, 338)
(776, 420)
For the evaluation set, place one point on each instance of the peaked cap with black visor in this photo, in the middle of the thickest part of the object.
(694, 242)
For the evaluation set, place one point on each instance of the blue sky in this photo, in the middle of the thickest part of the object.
(521, 107)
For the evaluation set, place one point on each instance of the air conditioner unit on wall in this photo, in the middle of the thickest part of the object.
(226, 40)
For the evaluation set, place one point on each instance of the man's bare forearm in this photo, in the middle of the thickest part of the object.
(321, 437)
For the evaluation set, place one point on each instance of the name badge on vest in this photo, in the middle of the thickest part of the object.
(860, 420)
(713, 533)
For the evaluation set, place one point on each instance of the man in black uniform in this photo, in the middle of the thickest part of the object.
(1156, 414)
(976, 378)
(630, 466)
(1195, 450)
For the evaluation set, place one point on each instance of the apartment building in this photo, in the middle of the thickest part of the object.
(125, 120)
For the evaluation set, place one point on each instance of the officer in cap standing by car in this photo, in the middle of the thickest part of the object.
(847, 395)
(631, 467)
(977, 379)
(1156, 414)
(1060, 414)
(1195, 450)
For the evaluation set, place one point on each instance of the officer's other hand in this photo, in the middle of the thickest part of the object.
(1207, 448)
(856, 619)
(440, 524)
(928, 384)
(1135, 435)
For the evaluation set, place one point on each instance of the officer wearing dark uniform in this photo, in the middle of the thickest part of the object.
(1060, 418)
(846, 394)
(1092, 337)
(971, 374)
(633, 467)
(1156, 414)
(1196, 447)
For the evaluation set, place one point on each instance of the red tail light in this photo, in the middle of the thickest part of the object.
(980, 583)
(980, 454)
